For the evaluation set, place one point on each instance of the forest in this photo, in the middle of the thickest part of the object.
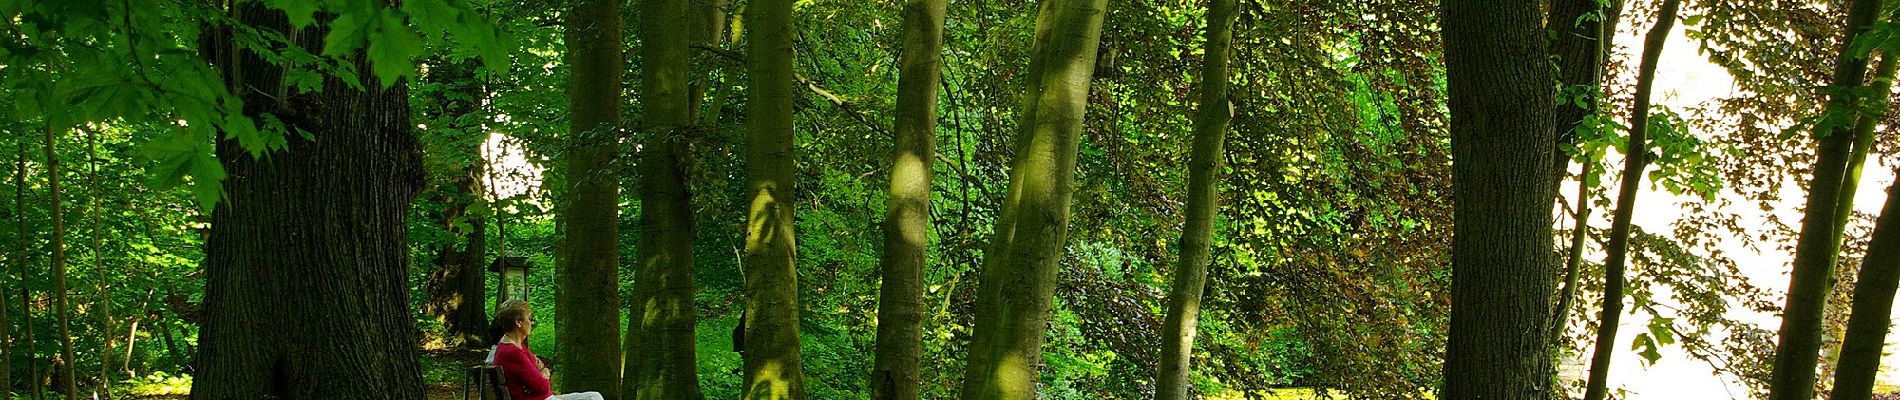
(936, 199)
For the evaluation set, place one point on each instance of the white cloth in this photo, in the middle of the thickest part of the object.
(578, 396)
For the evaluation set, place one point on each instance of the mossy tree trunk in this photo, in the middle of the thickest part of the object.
(773, 368)
(1018, 276)
(661, 364)
(900, 309)
(1197, 234)
(587, 278)
(1868, 322)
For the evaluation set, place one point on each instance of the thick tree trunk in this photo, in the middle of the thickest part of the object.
(773, 369)
(587, 280)
(1867, 324)
(1197, 234)
(26, 303)
(1819, 243)
(1635, 160)
(306, 282)
(900, 310)
(98, 261)
(1018, 278)
(1503, 267)
(456, 286)
(661, 364)
(60, 303)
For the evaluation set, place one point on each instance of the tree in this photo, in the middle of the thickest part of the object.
(1635, 161)
(1018, 276)
(7, 348)
(456, 287)
(900, 310)
(289, 240)
(1867, 324)
(1819, 243)
(773, 369)
(588, 301)
(98, 260)
(1204, 167)
(1503, 134)
(60, 303)
(660, 344)
(1577, 44)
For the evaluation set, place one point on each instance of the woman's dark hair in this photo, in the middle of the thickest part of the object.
(507, 318)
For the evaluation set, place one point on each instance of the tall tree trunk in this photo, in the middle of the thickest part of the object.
(773, 369)
(1573, 261)
(60, 303)
(1635, 160)
(660, 338)
(895, 371)
(99, 263)
(1867, 323)
(587, 280)
(1503, 133)
(1018, 279)
(26, 302)
(1197, 234)
(317, 231)
(456, 286)
(1819, 244)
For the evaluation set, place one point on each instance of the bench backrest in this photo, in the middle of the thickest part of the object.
(487, 379)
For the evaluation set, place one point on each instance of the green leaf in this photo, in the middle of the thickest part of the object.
(1646, 347)
(302, 13)
(391, 47)
(347, 33)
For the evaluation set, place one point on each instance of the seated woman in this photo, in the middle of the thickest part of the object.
(525, 375)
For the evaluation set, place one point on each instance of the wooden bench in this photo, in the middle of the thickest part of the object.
(487, 382)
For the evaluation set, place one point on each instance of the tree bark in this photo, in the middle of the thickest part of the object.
(1503, 267)
(1867, 323)
(1018, 278)
(60, 303)
(660, 329)
(98, 261)
(1197, 234)
(1635, 160)
(1819, 244)
(895, 371)
(26, 303)
(773, 369)
(306, 263)
(587, 283)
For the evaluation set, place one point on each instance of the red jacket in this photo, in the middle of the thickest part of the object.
(522, 372)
